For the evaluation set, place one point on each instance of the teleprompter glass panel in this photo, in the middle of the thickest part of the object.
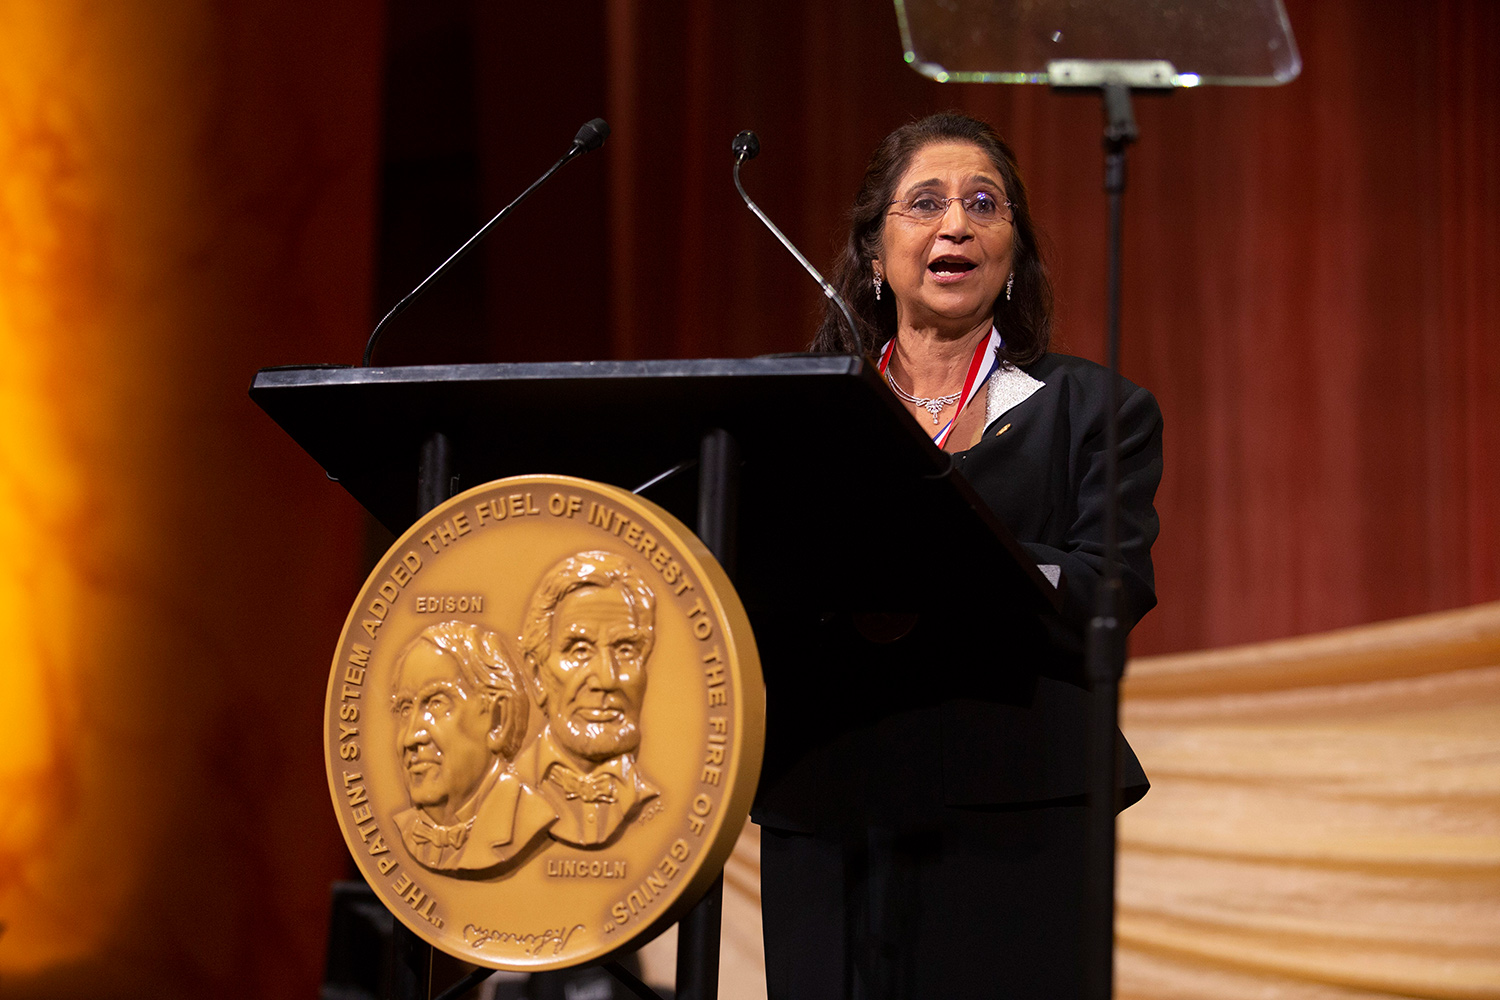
(1223, 42)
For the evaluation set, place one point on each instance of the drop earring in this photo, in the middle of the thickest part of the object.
(878, 282)
(1008, 283)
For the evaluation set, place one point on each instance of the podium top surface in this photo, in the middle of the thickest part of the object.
(844, 501)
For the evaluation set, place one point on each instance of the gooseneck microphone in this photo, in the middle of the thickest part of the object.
(746, 146)
(590, 137)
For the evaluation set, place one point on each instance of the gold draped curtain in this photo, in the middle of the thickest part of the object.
(1323, 822)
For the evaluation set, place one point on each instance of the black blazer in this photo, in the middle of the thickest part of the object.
(1040, 467)
(862, 732)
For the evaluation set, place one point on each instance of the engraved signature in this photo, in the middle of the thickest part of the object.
(478, 937)
(650, 811)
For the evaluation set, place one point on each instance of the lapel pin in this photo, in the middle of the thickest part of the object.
(1002, 430)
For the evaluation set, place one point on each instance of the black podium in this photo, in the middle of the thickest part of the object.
(796, 470)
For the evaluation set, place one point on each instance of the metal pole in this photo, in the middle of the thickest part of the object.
(1105, 657)
(412, 975)
(434, 472)
(699, 933)
(413, 956)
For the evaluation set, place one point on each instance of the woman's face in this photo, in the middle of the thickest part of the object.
(949, 271)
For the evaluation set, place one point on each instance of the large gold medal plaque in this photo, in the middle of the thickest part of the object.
(544, 723)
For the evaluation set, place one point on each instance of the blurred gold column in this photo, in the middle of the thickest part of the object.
(186, 193)
(69, 349)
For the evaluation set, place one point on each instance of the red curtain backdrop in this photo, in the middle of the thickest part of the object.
(1309, 289)
(1311, 275)
(1311, 292)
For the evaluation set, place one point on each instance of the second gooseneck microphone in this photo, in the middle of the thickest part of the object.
(590, 137)
(746, 146)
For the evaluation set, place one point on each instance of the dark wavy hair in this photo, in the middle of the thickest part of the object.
(1024, 322)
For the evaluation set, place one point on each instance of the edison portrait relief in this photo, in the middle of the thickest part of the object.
(586, 639)
(460, 718)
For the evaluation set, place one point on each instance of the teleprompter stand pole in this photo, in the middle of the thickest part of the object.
(1105, 649)
(1105, 652)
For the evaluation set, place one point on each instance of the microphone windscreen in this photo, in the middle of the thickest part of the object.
(592, 135)
(746, 145)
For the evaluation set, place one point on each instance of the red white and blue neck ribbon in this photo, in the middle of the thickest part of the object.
(981, 367)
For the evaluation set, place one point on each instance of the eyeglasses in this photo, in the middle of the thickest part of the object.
(983, 209)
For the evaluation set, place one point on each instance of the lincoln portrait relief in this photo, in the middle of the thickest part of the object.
(586, 641)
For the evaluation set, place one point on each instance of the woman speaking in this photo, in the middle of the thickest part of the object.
(922, 808)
